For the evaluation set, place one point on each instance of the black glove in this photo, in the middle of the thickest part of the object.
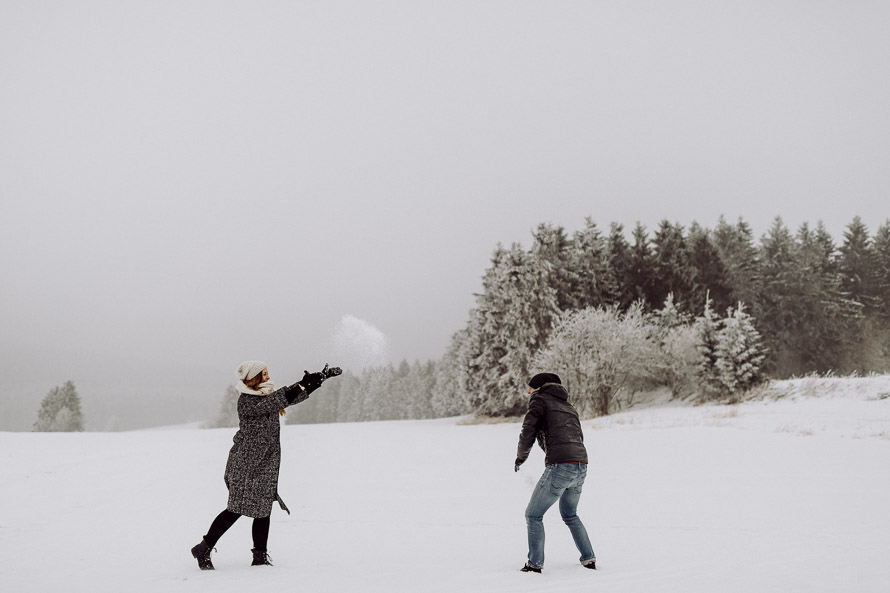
(311, 381)
(328, 372)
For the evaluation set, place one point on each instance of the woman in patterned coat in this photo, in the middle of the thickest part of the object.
(252, 469)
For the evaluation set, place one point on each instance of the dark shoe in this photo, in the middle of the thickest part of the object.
(202, 553)
(529, 568)
(591, 564)
(260, 558)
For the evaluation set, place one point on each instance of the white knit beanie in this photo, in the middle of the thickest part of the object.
(250, 369)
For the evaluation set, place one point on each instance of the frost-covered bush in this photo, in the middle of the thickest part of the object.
(676, 339)
(679, 359)
(600, 353)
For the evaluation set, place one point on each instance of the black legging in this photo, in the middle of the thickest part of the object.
(226, 519)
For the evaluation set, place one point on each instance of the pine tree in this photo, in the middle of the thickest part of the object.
(670, 316)
(450, 396)
(552, 249)
(707, 342)
(620, 268)
(329, 401)
(671, 272)
(510, 323)
(707, 273)
(351, 405)
(423, 384)
(881, 325)
(379, 400)
(60, 410)
(779, 299)
(735, 245)
(858, 281)
(228, 409)
(404, 392)
(881, 245)
(857, 266)
(640, 276)
(590, 261)
(740, 352)
(828, 321)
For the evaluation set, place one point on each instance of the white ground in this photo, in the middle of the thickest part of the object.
(788, 495)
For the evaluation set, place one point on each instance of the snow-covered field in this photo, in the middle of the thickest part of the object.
(787, 495)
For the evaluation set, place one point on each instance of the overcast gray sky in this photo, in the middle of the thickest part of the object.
(212, 181)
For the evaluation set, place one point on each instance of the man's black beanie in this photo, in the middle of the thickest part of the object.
(541, 378)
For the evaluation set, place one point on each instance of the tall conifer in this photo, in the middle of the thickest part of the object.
(60, 410)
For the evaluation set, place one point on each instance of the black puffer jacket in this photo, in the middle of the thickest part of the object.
(553, 421)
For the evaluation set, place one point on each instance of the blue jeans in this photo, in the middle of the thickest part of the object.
(562, 482)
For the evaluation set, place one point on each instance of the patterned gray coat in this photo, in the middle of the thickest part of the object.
(252, 469)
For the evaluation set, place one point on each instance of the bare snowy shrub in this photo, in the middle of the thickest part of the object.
(679, 360)
(677, 343)
(600, 353)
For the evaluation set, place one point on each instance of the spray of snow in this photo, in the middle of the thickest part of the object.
(358, 345)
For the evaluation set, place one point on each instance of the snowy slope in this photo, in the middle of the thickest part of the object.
(787, 495)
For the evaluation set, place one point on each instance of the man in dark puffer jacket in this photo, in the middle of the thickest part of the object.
(553, 421)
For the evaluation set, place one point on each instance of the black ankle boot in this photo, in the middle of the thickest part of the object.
(260, 558)
(202, 553)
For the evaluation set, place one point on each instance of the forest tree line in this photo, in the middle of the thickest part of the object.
(705, 312)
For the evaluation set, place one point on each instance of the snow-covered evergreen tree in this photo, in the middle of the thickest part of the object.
(450, 396)
(423, 384)
(378, 400)
(622, 264)
(881, 249)
(597, 286)
(228, 409)
(552, 252)
(859, 279)
(327, 401)
(740, 352)
(735, 245)
(707, 336)
(882, 289)
(830, 320)
(671, 270)
(60, 410)
(670, 316)
(350, 406)
(779, 299)
(707, 273)
(641, 273)
(510, 323)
